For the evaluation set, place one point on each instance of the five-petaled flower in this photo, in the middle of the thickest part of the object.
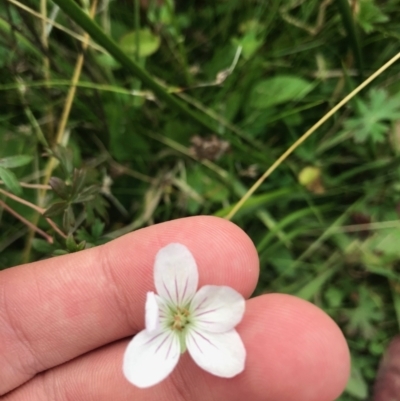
(179, 318)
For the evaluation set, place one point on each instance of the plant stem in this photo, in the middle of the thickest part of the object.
(32, 186)
(47, 237)
(36, 208)
(307, 134)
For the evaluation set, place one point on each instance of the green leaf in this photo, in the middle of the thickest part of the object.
(389, 243)
(149, 43)
(87, 194)
(10, 181)
(315, 285)
(277, 90)
(65, 158)
(107, 61)
(55, 209)
(59, 187)
(83, 235)
(60, 252)
(78, 182)
(68, 219)
(250, 43)
(363, 318)
(42, 246)
(97, 228)
(334, 296)
(357, 386)
(8, 30)
(15, 161)
(71, 244)
(369, 15)
(92, 238)
(80, 246)
(257, 201)
(371, 121)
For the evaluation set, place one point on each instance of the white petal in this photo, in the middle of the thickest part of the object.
(152, 315)
(217, 308)
(222, 354)
(175, 274)
(150, 358)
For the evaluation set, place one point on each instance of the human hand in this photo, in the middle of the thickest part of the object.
(65, 324)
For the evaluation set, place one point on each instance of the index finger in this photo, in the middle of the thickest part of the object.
(54, 310)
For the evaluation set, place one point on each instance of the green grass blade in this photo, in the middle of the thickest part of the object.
(291, 218)
(6, 30)
(315, 285)
(256, 201)
(348, 22)
(97, 34)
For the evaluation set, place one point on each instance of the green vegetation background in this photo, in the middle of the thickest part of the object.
(250, 77)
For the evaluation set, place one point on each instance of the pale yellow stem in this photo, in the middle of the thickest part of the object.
(52, 163)
(81, 38)
(68, 104)
(290, 150)
(32, 186)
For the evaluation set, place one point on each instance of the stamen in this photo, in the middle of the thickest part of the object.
(180, 319)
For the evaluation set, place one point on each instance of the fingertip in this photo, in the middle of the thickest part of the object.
(295, 351)
(223, 252)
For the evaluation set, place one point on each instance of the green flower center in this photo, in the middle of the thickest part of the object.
(178, 321)
(180, 318)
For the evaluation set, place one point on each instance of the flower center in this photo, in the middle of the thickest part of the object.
(180, 319)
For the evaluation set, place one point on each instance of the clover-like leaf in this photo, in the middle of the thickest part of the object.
(374, 116)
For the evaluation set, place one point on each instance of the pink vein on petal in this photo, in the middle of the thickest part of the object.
(205, 338)
(162, 343)
(169, 348)
(198, 346)
(153, 338)
(176, 291)
(166, 289)
(184, 290)
(207, 311)
(201, 303)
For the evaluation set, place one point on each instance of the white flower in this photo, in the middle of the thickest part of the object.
(179, 318)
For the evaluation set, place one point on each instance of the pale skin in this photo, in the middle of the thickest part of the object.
(65, 323)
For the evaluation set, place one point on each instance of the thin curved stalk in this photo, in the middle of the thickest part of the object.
(307, 134)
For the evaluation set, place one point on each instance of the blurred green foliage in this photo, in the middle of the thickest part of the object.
(258, 74)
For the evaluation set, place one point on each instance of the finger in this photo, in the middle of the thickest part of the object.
(54, 310)
(295, 352)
